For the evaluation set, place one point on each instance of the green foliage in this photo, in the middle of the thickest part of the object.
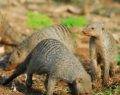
(109, 91)
(105, 92)
(117, 90)
(75, 22)
(67, 90)
(118, 59)
(37, 20)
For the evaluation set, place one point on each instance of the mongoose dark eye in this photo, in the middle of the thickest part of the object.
(92, 28)
(79, 80)
(102, 28)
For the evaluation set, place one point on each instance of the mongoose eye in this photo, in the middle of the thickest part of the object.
(92, 28)
(102, 28)
(79, 80)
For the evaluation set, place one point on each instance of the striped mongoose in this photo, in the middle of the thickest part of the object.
(103, 50)
(58, 32)
(53, 58)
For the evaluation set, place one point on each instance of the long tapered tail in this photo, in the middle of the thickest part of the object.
(20, 70)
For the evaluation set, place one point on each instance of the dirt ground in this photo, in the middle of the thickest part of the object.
(16, 16)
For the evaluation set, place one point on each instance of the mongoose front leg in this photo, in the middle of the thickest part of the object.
(14, 86)
(93, 58)
(94, 69)
(106, 69)
(29, 80)
(113, 69)
(50, 86)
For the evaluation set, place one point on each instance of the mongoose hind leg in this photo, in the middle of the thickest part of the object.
(46, 81)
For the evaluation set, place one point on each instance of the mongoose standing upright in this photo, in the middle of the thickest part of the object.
(103, 50)
(58, 32)
(52, 57)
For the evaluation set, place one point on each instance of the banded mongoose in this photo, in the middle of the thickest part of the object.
(53, 58)
(103, 50)
(58, 32)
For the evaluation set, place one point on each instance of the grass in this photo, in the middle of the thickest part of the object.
(37, 20)
(118, 59)
(75, 21)
(109, 91)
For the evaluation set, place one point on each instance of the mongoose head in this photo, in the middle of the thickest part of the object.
(94, 29)
(16, 58)
(83, 85)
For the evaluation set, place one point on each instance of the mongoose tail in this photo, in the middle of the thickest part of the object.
(20, 69)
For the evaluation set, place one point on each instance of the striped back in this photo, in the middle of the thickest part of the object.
(58, 32)
(47, 49)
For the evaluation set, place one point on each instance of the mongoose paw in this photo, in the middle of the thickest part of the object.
(97, 84)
